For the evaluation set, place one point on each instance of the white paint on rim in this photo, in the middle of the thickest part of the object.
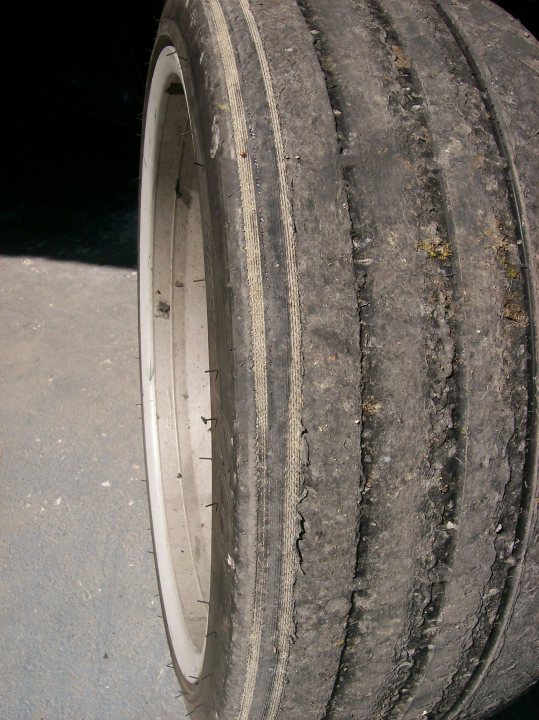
(174, 365)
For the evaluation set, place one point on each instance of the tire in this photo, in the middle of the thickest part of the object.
(338, 307)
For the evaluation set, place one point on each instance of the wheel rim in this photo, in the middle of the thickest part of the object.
(174, 364)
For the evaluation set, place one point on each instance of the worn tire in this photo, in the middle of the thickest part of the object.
(367, 172)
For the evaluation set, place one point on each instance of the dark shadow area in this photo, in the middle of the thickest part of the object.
(70, 193)
(527, 11)
(525, 708)
(69, 185)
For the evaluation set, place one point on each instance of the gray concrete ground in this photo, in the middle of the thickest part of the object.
(80, 636)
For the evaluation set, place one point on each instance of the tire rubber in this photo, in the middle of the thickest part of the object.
(370, 209)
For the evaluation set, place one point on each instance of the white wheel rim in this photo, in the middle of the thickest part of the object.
(174, 365)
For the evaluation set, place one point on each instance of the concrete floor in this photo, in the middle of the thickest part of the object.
(80, 636)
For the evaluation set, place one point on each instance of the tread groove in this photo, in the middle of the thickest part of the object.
(339, 134)
(446, 447)
(428, 602)
(510, 589)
